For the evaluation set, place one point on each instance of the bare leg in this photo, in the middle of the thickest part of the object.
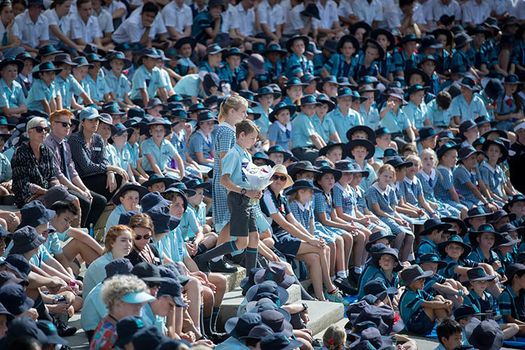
(314, 268)
(398, 241)
(359, 248)
(408, 247)
(340, 255)
(349, 243)
(194, 289)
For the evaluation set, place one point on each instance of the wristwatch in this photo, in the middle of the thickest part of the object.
(243, 191)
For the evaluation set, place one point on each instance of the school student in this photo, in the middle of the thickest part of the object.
(360, 150)
(43, 95)
(492, 171)
(510, 302)
(126, 200)
(117, 82)
(241, 208)
(384, 265)
(343, 116)
(12, 99)
(305, 139)
(393, 117)
(280, 131)
(200, 145)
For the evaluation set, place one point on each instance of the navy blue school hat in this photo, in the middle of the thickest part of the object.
(195, 183)
(22, 327)
(330, 145)
(172, 288)
(214, 49)
(277, 322)
(370, 134)
(485, 228)
(484, 335)
(26, 239)
(49, 49)
(172, 271)
(14, 299)
(141, 190)
(153, 199)
(398, 162)
(9, 277)
(324, 99)
(153, 179)
(7, 314)
(148, 338)
(120, 129)
(377, 288)
(426, 132)
(456, 240)
(267, 289)
(120, 266)
(348, 166)
(464, 311)
(389, 153)
(376, 236)
(511, 79)
(180, 187)
(278, 108)
(126, 329)
(51, 332)
(308, 100)
(241, 326)
(276, 149)
(482, 120)
(279, 341)
(467, 125)
(262, 156)
(434, 224)
(259, 332)
(35, 213)
(449, 145)
(466, 152)
(413, 273)
(294, 81)
(376, 45)
(300, 185)
(498, 142)
(479, 274)
(513, 200)
(415, 88)
(363, 143)
(431, 258)
(18, 264)
(344, 92)
(112, 108)
(234, 51)
(476, 212)
(162, 220)
(151, 53)
(148, 272)
(324, 167)
(118, 55)
(376, 255)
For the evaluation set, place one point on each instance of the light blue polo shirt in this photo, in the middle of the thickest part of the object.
(189, 85)
(39, 92)
(302, 129)
(133, 153)
(141, 80)
(96, 272)
(233, 164)
(114, 217)
(395, 123)
(162, 154)
(460, 107)
(263, 123)
(68, 88)
(119, 87)
(96, 88)
(416, 114)
(343, 123)
(324, 128)
(371, 118)
(11, 96)
(158, 81)
(93, 309)
(438, 117)
(189, 224)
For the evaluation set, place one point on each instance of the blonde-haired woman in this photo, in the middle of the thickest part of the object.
(117, 244)
(124, 295)
(232, 111)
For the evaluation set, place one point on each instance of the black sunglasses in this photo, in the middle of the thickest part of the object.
(277, 177)
(40, 129)
(64, 124)
(139, 237)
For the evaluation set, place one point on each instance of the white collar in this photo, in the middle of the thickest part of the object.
(344, 189)
(304, 207)
(411, 182)
(380, 190)
(206, 138)
(488, 166)
(284, 127)
(432, 175)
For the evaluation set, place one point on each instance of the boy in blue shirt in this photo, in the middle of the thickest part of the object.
(450, 335)
(418, 309)
(393, 117)
(139, 92)
(431, 236)
(305, 138)
(240, 200)
(343, 116)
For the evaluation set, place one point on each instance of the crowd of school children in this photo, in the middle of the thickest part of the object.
(393, 132)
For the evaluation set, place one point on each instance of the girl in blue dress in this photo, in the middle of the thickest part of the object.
(413, 187)
(382, 201)
(200, 147)
(265, 97)
(280, 132)
(428, 177)
(492, 172)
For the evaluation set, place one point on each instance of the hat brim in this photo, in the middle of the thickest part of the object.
(291, 190)
(167, 181)
(380, 31)
(18, 63)
(442, 246)
(273, 114)
(425, 274)
(474, 234)
(323, 151)
(439, 227)
(137, 298)
(504, 150)
(363, 143)
(129, 187)
(290, 41)
(27, 247)
(371, 135)
(377, 255)
(281, 293)
(285, 283)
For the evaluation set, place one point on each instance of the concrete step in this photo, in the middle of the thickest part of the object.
(234, 279)
(79, 340)
(323, 314)
(232, 300)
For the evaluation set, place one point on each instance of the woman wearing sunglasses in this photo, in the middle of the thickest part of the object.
(143, 250)
(33, 168)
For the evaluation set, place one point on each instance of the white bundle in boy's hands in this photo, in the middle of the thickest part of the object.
(258, 177)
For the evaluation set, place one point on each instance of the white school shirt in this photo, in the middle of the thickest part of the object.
(229, 19)
(105, 21)
(368, 12)
(64, 24)
(246, 20)
(114, 6)
(88, 32)
(345, 9)
(131, 30)
(476, 13)
(502, 6)
(177, 17)
(31, 33)
(293, 21)
(452, 9)
(519, 10)
(270, 16)
(328, 14)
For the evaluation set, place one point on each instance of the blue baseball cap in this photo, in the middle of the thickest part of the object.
(89, 113)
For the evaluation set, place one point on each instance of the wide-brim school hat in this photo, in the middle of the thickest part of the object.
(363, 143)
(324, 168)
(479, 274)
(390, 37)
(513, 200)
(504, 150)
(301, 185)
(45, 67)
(413, 273)
(117, 55)
(129, 187)
(301, 166)
(410, 72)
(431, 258)
(274, 272)
(323, 151)
(186, 40)
(456, 240)
(370, 134)
(235, 51)
(289, 42)
(374, 43)
(262, 156)
(376, 236)
(434, 224)
(476, 212)
(387, 251)
(324, 99)
(267, 289)
(507, 240)
(397, 162)
(274, 48)
(467, 152)
(241, 326)
(348, 38)
(348, 166)
(447, 147)
(485, 228)
(447, 33)
(12, 60)
(459, 222)
(280, 107)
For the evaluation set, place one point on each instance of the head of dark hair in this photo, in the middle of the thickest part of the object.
(443, 99)
(246, 126)
(82, 2)
(4, 4)
(61, 207)
(447, 328)
(150, 7)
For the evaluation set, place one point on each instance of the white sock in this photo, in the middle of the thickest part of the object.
(342, 274)
(332, 278)
(358, 269)
(217, 258)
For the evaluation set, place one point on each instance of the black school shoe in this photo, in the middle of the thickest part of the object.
(203, 265)
(221, 266)
(344, 286)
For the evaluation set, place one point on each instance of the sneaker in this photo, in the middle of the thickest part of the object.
(335, 297)
(221, 266)
(353, 278)
(204, 266)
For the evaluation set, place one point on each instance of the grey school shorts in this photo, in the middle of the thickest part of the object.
(242, 215)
